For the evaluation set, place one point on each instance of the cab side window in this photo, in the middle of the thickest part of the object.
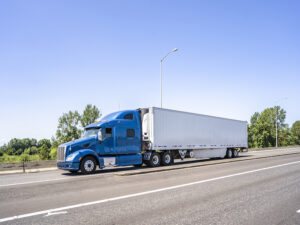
(108, 132)
(128, 116)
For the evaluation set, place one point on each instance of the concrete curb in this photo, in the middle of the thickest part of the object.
(27, 170)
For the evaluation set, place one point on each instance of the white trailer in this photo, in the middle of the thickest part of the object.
(201, 136)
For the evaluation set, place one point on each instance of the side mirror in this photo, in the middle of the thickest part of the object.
(100, 137)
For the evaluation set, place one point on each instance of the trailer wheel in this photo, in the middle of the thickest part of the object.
(155, 159)
(166, 159)
(235, 153)
(88, 165)
(191, 154)
(229, 154)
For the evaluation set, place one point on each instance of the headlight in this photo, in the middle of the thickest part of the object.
(70, 157)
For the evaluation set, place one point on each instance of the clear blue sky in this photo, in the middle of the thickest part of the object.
(234, 58)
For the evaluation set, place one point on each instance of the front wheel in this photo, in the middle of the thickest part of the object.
(88, 165)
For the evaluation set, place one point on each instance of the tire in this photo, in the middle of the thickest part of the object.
(166, 159)
(147, 163)
(235, 153)
(229, 154)
(88, 165)
(191, 154)
(155, 160)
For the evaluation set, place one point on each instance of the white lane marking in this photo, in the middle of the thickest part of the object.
(298, 211)
(140, 193)
(55, 213)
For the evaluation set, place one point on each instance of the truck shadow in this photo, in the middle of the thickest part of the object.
(145, 169)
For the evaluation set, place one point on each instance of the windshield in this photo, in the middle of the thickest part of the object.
(90, 133)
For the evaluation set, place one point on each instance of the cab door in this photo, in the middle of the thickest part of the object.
(107, 144)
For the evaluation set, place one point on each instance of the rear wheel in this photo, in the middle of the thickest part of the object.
(88, 165)
(229, 153)
(235, 153)
(191, 154)
(155, 159)
(166, 159)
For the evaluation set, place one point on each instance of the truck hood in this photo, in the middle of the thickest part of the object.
(82, 142)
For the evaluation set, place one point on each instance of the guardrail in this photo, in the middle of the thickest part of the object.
(23, 166)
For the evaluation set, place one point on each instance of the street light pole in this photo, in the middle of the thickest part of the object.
(161, 61)
(276, 128)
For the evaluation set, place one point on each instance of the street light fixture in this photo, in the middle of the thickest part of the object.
(174, 50)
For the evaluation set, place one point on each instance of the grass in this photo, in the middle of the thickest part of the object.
(17, 158)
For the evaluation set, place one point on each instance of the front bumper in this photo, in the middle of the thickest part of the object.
(68, 165)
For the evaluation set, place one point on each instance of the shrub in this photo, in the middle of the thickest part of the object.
(53, 153)
(24, 157)
(44, 152)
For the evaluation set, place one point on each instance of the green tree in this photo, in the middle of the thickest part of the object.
(44, 142)
(262, 128)
(68, 127)
(24, 157)
(296, 132)
(44, 152)
(54, 142)
(31, 151)
(285, 136)
(252, 131)
(90, 115)
(53, 153)
(17, 146)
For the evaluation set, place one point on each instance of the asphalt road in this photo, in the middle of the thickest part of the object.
(257, 188)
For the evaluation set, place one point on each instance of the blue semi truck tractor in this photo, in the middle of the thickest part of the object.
(151, 136)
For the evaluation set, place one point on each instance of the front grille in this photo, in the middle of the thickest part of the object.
(61, 154)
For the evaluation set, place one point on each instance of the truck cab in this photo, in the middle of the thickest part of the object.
(113, 141)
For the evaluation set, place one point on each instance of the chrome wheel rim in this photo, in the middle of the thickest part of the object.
(155, 160)
(167, 159)
(192, 154)
(89, 165)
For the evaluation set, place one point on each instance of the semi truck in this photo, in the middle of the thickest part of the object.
(153, 137)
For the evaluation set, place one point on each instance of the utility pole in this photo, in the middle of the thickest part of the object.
(276, 128)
